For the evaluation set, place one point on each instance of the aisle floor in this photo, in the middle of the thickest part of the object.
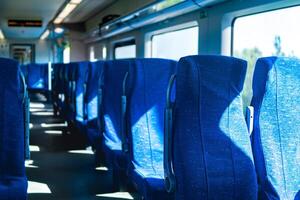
(61, 167)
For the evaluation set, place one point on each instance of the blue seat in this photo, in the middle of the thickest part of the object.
(24, 71)
(114, 73)
(71, 84)
(56, 88)
(60, 88)
(212, 155)
(13, 181)
(275, 137)
(92, 128)
(80, 89)
(147, 82)
(65, 91)
(37, 76)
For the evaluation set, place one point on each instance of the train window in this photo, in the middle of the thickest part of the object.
(175, 44)
(272, 33)
(125, 50)
(66, 54)
(92, 54)
(104, 52)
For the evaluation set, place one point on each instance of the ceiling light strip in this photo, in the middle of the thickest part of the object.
(66, 11)
(45, 34)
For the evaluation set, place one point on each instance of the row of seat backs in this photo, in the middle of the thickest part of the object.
(212, 155)
(36, 76)
(68, 87)
(208, 95)
(13, 182)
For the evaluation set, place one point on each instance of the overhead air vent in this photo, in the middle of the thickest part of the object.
(24, 23)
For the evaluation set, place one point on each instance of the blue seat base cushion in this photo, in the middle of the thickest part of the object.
(149, 184)
(115, 158)
(13, 188)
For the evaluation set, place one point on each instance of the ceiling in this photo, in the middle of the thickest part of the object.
(87, 9)
(44, 10)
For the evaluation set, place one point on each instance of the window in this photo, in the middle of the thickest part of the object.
(273, 33)
(104, 52)
(66, 54)
(125, 50)
(175, 44)
(92, 54)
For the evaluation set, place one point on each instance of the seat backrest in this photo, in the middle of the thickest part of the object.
(95, 70)
(37, 76)
(276, 138)
(147, 82)
(212, 155)
(81, 73)
(114, 73)
(71, 83)
(24, 70)
(13, 182)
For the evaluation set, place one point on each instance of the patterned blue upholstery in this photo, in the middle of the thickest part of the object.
(93, 132)
(70, 91)
(114, 72)
(56, 87)
(148, 81)
(61, 87)
(212, 154)
(13, 181)
(37, 76)
(81, 73)
(276, 138)
(65, 89)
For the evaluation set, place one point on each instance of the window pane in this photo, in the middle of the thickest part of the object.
(66, 55)
(128, 51)
(176, 44)
(273, 33)
(92, 54)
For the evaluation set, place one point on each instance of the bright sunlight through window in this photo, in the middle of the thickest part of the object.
(128, 51)
(273, 33)
(175, 44)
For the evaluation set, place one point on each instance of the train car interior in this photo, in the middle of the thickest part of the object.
(150, 99)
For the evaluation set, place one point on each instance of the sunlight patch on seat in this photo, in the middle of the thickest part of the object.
(82, 151)
(34, 148)
(101, 168)
(29, 164)
(123, 195)
(54, 132)
(40, 110)
(45, 125)
(43, 113)
(36, 187)
(37, 105)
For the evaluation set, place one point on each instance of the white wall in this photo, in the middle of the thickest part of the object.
(78, 50)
